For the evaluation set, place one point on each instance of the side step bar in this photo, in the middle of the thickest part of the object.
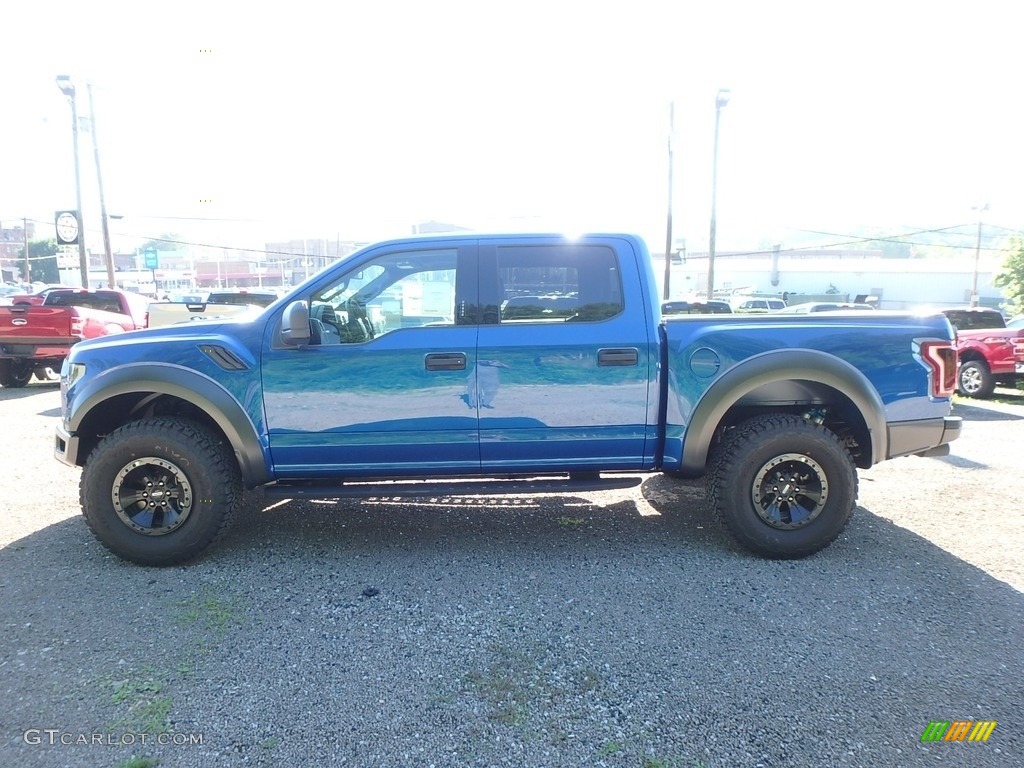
(575, 482)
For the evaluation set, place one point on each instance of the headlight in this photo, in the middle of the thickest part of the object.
(71, 372)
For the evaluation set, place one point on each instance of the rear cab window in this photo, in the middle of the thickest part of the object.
(972, 320)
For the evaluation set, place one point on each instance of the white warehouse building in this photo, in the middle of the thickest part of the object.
(895, 283)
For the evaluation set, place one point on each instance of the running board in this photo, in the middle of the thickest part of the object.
(589, 481)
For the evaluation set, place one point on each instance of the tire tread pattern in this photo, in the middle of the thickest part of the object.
(727, 456)
(216, 459)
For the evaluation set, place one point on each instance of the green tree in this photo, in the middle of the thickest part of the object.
(1011, 276)
(42, 258)
(168, 241)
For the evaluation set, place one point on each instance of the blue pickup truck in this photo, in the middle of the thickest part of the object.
(500, 363)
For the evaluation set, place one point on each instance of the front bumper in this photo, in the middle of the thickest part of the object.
(65, 447)
(925, 437)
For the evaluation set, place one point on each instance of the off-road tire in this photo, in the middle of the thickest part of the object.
(800, 466)
(193, 474)
(974, 379)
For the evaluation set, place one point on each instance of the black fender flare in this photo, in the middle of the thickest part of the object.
(155, 379)
(774, 367)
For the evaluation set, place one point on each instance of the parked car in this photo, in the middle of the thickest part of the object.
(245, 296)
(695, 308)
(761, 305)
(170, 425)
(7, 291)
(824, 306)
(37, 298)
(1017, 322)
(989, 352)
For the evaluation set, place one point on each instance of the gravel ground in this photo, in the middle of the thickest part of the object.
(617, 629)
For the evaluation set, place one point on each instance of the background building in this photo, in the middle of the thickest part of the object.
(897, 283)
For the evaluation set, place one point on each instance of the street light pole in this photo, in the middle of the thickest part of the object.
(68, 89)
(24, 237)
(720, 101)
(668, 233)
(977, 255)
(103, 205)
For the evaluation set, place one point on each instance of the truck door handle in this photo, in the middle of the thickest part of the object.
(445, 361)
(610, 357)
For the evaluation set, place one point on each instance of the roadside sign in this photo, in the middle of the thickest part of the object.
(152, 258)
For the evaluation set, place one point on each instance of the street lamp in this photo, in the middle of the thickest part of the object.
(720, 101)
(68, 89)
(977, 255)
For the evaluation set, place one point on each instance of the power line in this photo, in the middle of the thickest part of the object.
(894, 238)
(859, 241)
(154, 239)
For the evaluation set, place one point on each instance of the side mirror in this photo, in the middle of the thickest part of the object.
(295, 324)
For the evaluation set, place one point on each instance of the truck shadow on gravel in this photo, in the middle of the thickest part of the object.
(981, 413)
(479, 625)
(32, 389)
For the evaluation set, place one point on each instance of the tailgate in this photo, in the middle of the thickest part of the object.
(34, 325)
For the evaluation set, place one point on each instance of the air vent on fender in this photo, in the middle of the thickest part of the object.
(225, 358)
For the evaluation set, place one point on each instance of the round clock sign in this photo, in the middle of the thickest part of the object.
(67, 228)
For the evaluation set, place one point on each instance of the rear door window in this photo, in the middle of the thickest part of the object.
(544, 284)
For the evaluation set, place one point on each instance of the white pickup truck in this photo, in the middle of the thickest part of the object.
(217, 306)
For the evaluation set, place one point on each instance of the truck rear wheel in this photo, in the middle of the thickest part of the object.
(159, 491)
(783, 486)
(974, 379)
(14, 373)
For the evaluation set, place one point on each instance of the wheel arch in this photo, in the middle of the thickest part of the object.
(123, 394)
(788, 380)
(972, 355)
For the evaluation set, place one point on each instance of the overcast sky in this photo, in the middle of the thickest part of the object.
(361, 120)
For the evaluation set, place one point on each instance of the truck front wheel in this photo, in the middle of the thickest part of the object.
(974, 379)
(783, 486)
(159, 491)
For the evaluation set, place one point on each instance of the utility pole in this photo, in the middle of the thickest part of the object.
(111, 283)
(24, 234)
(668, 231)
(720, 101)
(68, 89)
(977, 255)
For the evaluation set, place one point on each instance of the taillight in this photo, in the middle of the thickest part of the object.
(940, 357)
(77, 326)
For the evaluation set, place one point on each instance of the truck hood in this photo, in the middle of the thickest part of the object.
(167, 343)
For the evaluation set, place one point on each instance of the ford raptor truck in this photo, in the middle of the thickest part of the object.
(476, 364)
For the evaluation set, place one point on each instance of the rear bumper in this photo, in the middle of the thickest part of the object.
(35, 349)
(925, 437)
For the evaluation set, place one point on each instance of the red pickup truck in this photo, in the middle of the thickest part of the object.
(988, 352)
(36, 339)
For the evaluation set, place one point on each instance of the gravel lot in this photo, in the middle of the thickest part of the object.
(615, 629)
